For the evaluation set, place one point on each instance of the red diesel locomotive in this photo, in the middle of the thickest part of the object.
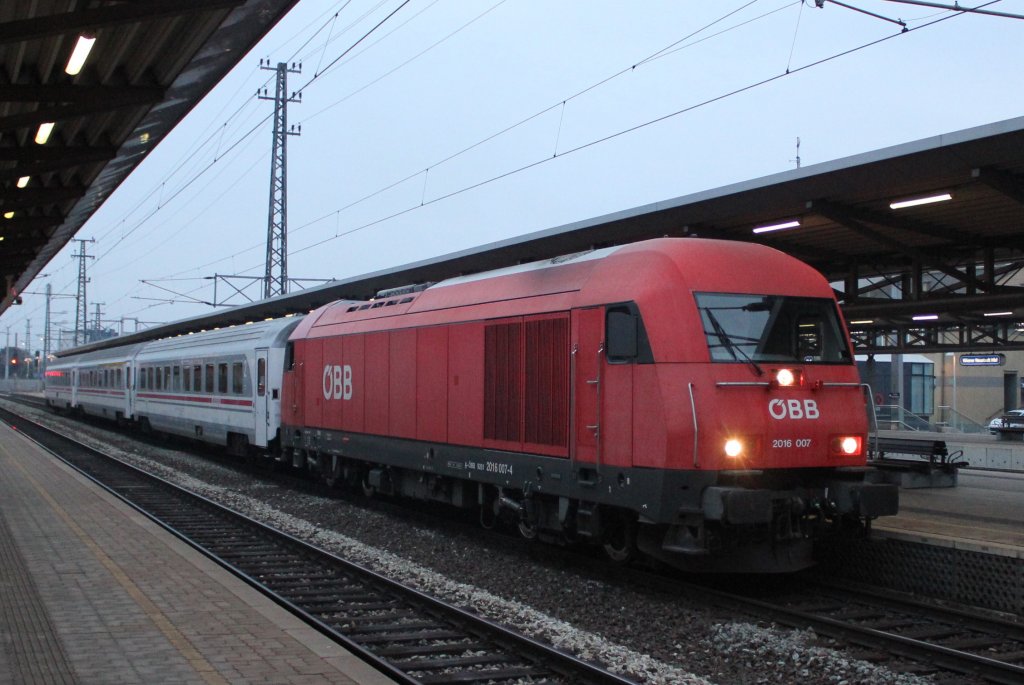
(693, 400)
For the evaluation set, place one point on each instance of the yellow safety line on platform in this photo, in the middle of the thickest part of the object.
(203, 667)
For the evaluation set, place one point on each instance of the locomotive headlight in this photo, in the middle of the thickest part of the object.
(787, 378)
(847, 445)
(733, 448)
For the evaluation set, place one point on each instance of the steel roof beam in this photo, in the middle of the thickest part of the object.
(902, 223)
(102, 97)
(57, 164)
(38, 228)
(57, 156)
(1010, 185)
(65, 112)
(20, 198)
(112, 15)
(836, 213)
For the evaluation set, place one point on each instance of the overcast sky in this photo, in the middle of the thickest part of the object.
(410, 146)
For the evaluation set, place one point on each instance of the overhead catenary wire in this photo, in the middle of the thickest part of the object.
(520, 169)
(425, 202)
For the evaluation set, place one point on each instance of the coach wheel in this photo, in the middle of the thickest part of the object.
(619, 541)
(527, 530)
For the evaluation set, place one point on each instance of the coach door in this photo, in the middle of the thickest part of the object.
(587, 362)
(126, 388)
(261, 403)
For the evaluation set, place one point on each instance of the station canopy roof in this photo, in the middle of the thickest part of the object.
(151, 62)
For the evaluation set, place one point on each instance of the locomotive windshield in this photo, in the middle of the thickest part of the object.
(772, 328)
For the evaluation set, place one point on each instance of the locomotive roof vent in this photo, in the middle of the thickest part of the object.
(404, 290)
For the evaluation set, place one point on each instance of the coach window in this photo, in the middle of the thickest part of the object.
(237, 378)
(208, 380)
(177, 378)
(261, 377)
(186, 379)
(222, 378)
(167, 378)
(151, 373)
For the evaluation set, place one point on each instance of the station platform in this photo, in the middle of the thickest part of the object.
(93, 592)
(983, 513)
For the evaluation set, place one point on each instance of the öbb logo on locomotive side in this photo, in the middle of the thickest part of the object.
(337, 382)
(793, 409)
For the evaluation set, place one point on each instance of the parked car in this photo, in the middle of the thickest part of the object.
(1011, 419)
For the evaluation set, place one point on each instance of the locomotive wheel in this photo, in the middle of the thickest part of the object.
(620, 540)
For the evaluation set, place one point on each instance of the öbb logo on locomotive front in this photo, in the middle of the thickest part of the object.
(793, 409)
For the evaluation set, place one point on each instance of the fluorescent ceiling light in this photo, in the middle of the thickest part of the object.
(23, 181)
(43, 134)
(863, 322)
(79, 55)
(903, 204)
(999, 314)
(777, 227)
(925, 317)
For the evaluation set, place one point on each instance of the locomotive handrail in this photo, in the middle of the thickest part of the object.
(742, 384)
(874, 415)
(597, 428)
(693, 409)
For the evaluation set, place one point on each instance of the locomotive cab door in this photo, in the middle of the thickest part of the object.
(261, 404)
(587, 364)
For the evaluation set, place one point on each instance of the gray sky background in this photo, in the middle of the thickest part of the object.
(375, 180)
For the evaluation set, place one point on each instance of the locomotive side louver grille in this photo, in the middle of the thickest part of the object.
(526, 382)
(547, 381)
(503, 363)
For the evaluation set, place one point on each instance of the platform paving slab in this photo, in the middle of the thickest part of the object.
(91, 591)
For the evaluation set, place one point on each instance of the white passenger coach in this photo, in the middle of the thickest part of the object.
(220, 386)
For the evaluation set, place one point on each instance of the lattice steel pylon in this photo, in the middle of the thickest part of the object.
(276, 277)
(81, 308)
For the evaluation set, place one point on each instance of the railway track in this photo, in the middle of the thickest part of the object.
(411, 637)
(908, 634)
(950, 639)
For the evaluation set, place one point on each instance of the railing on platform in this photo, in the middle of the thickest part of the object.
(951, 420)
(894, 417)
